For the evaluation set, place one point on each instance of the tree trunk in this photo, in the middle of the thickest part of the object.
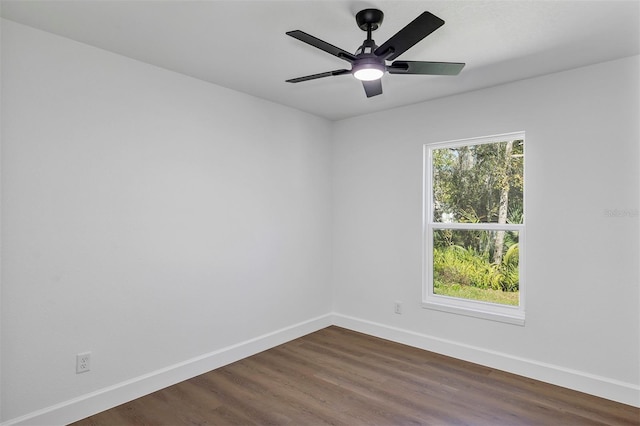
(504, 204)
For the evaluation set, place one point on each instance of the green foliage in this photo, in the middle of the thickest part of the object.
(468, 180)
(509, 268)
(477, 184)
(456, 265)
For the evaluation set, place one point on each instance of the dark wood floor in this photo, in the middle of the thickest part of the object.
(340, 377)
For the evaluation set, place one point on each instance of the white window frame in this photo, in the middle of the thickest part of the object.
(475, 308)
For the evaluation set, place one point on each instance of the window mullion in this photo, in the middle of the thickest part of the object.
(486, 226)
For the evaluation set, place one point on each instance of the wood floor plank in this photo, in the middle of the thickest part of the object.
(340, 377)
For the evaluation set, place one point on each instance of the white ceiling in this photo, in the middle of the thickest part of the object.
(242, 44)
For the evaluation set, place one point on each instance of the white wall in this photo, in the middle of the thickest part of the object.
(147, 217)
(582, 145)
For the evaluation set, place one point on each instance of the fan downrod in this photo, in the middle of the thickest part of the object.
(369, 19)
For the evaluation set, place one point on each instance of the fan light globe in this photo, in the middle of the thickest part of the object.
(368, 74)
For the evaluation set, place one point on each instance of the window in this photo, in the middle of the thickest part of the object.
(474, 232)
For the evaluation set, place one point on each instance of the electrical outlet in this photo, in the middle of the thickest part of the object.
(398, 308)
(83, 362)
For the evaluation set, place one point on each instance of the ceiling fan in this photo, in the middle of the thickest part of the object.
(369, 62)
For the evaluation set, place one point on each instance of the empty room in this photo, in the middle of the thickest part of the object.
(319, 212)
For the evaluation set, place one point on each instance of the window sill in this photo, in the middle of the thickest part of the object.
(515, 318)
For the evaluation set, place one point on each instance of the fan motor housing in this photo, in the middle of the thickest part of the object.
(369, 19)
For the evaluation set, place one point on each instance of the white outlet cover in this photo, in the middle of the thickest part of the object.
(83, 362)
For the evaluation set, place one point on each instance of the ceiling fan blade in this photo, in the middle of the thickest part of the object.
(428, 68)
(320, 75)
(404, 39)
(372, 88)
(322, 45)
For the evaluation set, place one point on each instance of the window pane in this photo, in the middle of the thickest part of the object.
(479, 183)
(476, 264)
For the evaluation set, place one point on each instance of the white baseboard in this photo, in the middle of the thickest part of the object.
(103, 399)
(626, 393)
